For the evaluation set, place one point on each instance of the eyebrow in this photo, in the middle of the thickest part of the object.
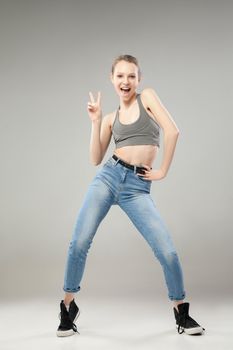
(123, 73)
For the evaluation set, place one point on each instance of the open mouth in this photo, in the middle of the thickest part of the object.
(125, 89)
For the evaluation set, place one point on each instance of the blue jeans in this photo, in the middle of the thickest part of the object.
(115, 184)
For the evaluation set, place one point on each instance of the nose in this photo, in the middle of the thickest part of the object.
(125, 80)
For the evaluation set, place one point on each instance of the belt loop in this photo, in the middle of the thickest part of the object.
(134, 169)
(116, 161)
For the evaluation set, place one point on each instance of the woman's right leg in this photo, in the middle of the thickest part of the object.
(96, 205)
(68, 298)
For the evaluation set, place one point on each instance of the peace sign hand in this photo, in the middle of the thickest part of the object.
(94, 107)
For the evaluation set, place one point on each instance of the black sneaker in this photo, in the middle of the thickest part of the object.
(67, 326)
(184, 322)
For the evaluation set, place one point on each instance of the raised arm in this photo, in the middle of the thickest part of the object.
(171, 131)
(100, 131)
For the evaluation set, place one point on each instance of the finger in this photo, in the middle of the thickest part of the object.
(143, 176)
(146, 166)
(99, 97)
(91, 97)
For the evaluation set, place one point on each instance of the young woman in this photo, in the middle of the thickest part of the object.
(125, 180)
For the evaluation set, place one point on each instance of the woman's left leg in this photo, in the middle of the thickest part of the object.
(145, 216)
(137, 203)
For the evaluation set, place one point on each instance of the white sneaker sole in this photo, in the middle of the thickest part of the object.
(65, 333)
(194, 330)
(68, 332)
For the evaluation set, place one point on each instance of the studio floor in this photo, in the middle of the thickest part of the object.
(114, 323)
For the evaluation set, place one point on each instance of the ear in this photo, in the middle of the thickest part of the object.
(111, 77)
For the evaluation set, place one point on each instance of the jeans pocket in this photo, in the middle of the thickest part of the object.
(142, 184)
(109, 162)
(140, 178)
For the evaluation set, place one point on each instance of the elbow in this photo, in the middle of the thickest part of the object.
(176, 135)
(173, 133)
(95, 162)
(176, 132)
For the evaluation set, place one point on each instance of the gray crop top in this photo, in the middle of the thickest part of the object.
(144, 131)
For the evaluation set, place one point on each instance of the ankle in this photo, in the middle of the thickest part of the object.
(176, 303)
(68, 298)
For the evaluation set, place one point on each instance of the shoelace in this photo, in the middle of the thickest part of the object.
(182, 320)
(74, 327)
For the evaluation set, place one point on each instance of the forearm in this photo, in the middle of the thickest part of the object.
(170, 140)
(95, 145)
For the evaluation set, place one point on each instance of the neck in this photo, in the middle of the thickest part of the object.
(125, 104)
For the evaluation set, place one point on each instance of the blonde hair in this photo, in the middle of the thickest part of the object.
(127, 58)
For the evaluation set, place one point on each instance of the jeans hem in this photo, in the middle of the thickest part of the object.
(69, 290)
(178, 298)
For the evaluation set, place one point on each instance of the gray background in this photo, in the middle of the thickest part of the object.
(52, 54)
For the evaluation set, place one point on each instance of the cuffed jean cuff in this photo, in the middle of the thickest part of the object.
(71, 290)
(177, 298)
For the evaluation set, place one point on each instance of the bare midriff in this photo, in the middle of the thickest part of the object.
(137, 155)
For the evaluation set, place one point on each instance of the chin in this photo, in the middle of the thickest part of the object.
(128, 96)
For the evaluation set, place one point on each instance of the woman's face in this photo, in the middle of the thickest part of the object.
(125, 79)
